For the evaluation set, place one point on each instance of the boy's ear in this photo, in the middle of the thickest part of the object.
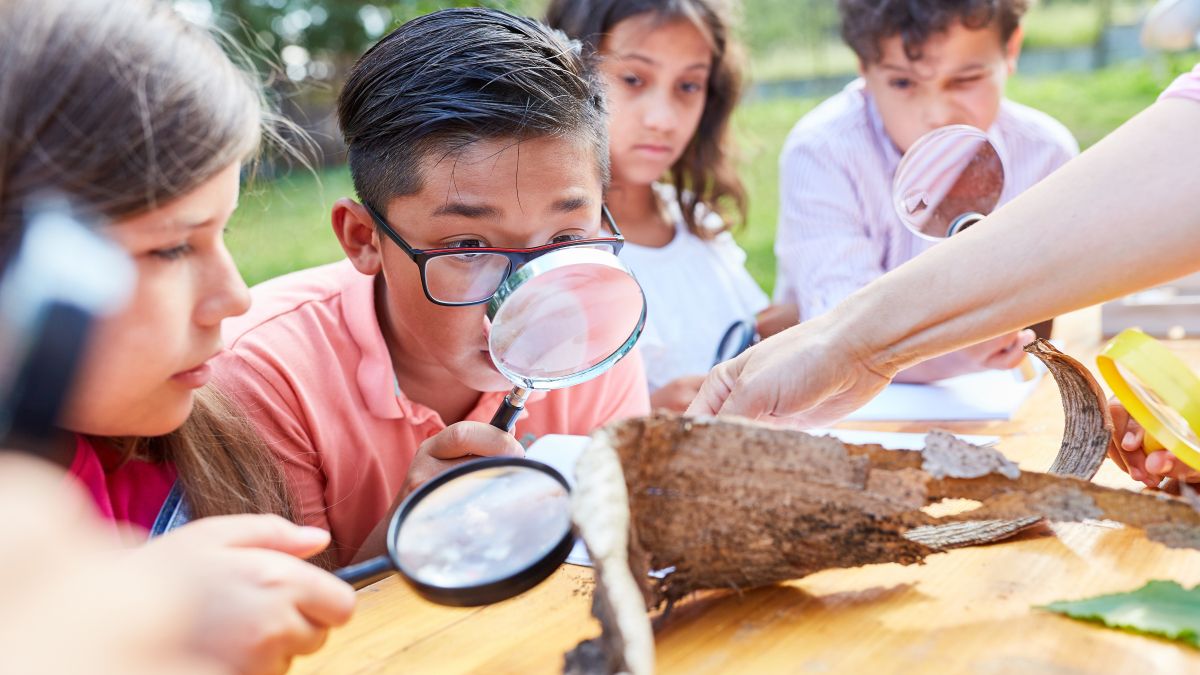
(355, 231)
(1012, 50)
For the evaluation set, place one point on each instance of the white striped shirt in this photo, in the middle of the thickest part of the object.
(838, 230)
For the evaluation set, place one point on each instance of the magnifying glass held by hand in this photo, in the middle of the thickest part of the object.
(479, 533)
(561, 320)
(1158, 390)
(947, 181)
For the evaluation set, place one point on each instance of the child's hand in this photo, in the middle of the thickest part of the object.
(677, 394)
(259, 603)
(1000, 353)
(456, 444)
(1127, 451)
(777, 318)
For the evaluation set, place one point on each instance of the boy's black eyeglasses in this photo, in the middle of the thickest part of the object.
(459, 277)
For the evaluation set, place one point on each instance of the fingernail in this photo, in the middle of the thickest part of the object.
(313, 533)
(1130, 441)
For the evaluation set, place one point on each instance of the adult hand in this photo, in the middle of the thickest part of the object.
(803, 375)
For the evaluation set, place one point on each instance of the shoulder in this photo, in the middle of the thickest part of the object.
(283, 304)
(1035, 129)
(839, 121)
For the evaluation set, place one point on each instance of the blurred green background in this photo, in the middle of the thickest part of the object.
(1082, 64)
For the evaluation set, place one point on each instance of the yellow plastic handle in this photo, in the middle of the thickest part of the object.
(1174, 385)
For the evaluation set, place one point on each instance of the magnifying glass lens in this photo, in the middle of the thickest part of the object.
(948, 173)
(565, 321)
(1157, 405)
(483, 527)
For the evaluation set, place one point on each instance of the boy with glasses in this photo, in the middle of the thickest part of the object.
(477, 142)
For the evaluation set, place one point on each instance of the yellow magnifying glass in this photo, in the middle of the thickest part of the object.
(1158, 390)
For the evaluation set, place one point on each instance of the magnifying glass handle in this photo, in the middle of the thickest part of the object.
(365, 572)
(512, 407)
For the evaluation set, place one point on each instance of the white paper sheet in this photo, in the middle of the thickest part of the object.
(989, 395)
(561, 452)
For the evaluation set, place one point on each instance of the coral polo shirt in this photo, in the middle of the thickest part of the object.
(310, 366)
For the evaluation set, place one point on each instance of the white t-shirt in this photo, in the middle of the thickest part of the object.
(695, 289)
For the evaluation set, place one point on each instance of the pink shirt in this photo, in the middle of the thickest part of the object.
(310, 365)
(837, 228)
(1185, 86)
(124, 492)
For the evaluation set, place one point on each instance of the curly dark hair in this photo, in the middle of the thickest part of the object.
(866, 23)
(706, 172)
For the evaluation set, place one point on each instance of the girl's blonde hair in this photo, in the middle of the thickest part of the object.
(123, 106)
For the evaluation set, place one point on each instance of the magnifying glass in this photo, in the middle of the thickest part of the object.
(560, 320)
(947, 181)
(494, 527)
(1158, 390)
(740, 336)
(481, 532)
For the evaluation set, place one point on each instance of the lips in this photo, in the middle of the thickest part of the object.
(198, 376)
(195, 378)
(653, 149)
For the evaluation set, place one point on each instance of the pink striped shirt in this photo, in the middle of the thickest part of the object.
(1186, 86)
(838, 230)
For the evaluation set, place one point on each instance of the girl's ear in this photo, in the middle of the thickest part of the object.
(356, 232)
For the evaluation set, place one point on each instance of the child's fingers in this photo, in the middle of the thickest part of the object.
(466, 439)
(1163, 464)
(1134, 438)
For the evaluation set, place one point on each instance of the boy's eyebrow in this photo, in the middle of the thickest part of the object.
(970, 67)
(571, 204)
(452, 208)
(891, 66)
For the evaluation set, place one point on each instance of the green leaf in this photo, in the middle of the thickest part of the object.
(1160, 608)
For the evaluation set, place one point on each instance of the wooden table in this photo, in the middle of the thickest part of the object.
(966, 611)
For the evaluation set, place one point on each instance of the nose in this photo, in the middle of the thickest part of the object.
(222, 293)
(941, 111)
(660, 113)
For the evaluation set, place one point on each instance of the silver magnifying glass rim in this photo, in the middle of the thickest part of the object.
(556, 260)
(903, 167)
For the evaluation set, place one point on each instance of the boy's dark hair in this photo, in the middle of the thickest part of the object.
(866, 23)
(706, 172)
(448, 79)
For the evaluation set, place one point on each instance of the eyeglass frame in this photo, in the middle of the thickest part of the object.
(517, 257)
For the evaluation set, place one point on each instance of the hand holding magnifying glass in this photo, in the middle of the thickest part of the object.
(492, 528)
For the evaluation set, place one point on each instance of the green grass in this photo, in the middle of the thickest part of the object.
(813, 52)
(284, 225)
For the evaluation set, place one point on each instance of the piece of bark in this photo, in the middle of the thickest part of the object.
(723, 504)
(1089, 426)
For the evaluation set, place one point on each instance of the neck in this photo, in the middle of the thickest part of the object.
(422, 379)
(639, 214)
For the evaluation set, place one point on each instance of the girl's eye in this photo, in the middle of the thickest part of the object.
(173, 253)
(564, 238)
(692, 87)
(900, 83)
(966, 82)
(632, 80)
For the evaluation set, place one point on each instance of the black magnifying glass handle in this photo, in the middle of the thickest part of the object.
(512, 407)
(365, 572)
